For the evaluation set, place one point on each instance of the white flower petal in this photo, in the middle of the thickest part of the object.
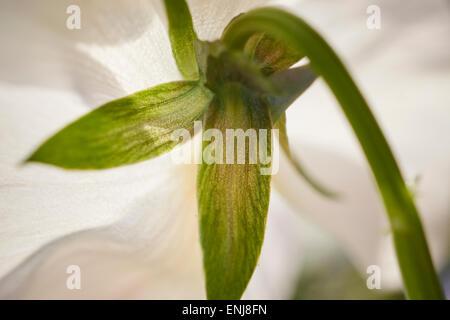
(282, 253)
(120, 48)
(211, 17)
(152, 253)
(358, 203)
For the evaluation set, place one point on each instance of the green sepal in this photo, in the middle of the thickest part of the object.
(295, 162)
(233, 199)
(182, 38)
(128, 130)
(292, 83)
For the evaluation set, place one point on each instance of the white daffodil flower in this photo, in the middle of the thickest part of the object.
(133, 230)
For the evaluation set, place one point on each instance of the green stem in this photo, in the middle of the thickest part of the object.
(419, 276)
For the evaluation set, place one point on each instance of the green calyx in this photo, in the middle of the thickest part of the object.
(232, 66)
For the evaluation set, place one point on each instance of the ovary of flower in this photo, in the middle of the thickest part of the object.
(236, 149)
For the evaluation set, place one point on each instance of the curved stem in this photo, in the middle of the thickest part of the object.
(419, 276)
